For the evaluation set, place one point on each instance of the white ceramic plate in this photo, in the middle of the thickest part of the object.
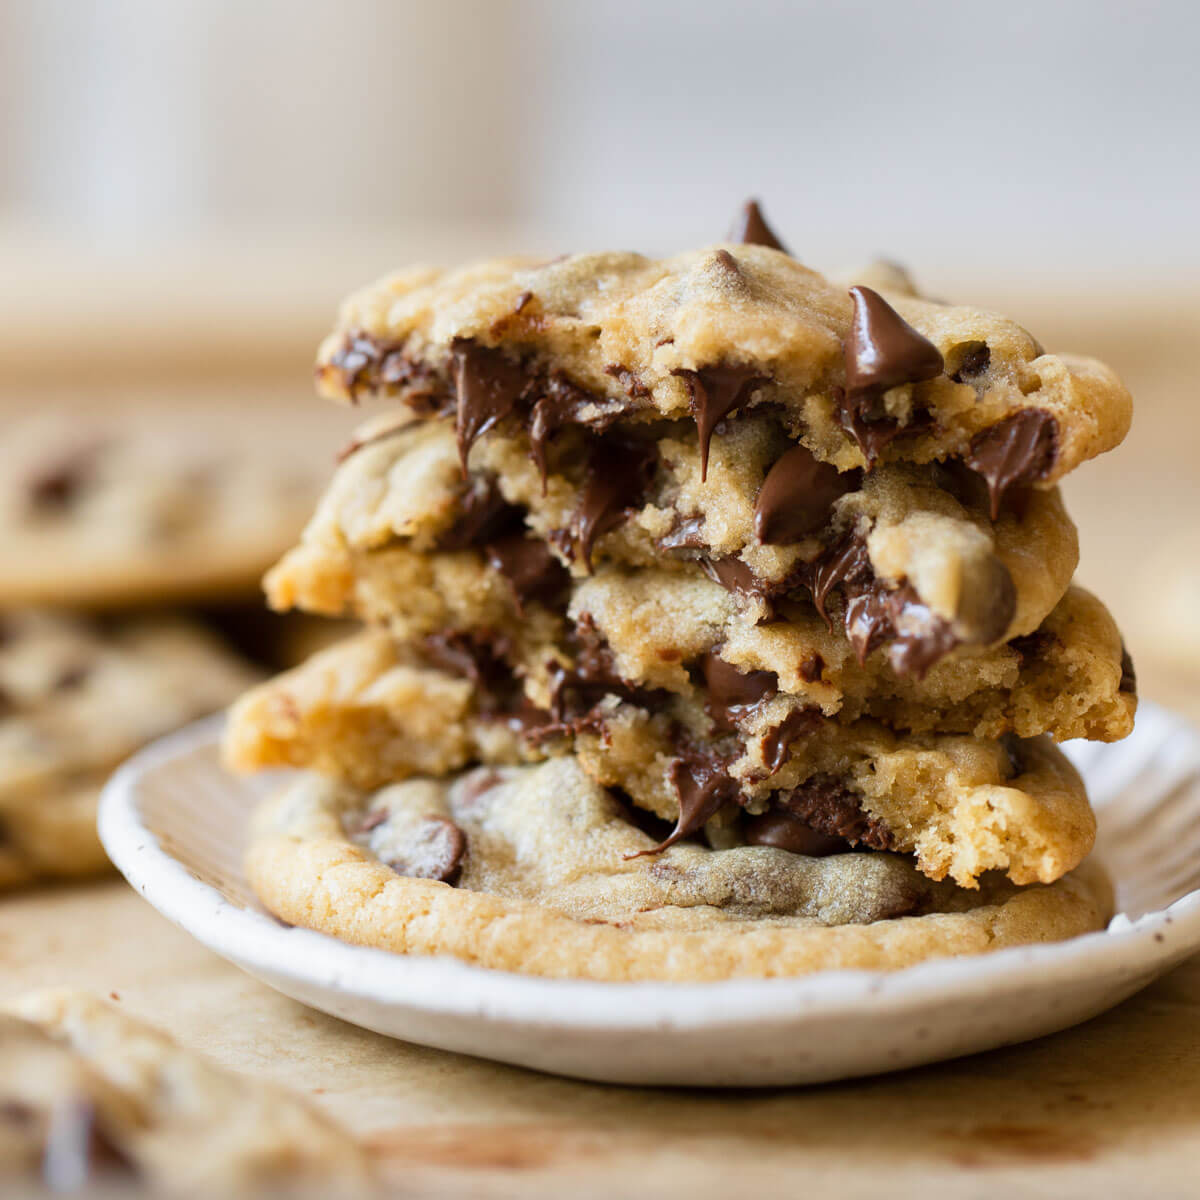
(174, 823)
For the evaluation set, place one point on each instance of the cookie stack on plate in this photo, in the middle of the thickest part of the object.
(113, 517)
(720, 623)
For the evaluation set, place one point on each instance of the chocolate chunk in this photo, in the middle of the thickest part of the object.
(777, 742)
(703, 785)
(619, 472)
(811, 668)
(1014, 452)
(435, 852)
(531, 570)
(787, 832)
(715, 392)
(751, 229)
(828, 806)
(488, 386)
(483, 516)
(797, 497)
(732, 694)
(881, 351)
(1128, 674)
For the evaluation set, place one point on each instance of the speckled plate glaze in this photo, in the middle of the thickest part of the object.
(174, 822)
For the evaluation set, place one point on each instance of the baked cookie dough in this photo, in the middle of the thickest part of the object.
(539, 870)
(77, 697)
(92, 1099)
(106, 508)
(612, 340)
(371, 712)
(912, 549)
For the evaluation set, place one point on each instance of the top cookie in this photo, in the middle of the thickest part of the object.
(859, 376)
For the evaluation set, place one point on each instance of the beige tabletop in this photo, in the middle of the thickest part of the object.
(1110, 1108)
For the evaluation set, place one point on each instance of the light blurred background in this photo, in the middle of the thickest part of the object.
(187, 188)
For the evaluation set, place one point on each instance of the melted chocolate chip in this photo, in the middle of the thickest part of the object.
(629, 380)
(811, 668)
(575, 691)
(715, 392)
(1128, 674)
(732, 694)
(797, 497)
(435, 852)
(531, 570)
(1017, 451)
(785, 831)
(751, 229)
(1032, 646)
(828, 806)
(483, 516)
(704, 787)
(488, 386)
(976, 358)
(368, 363)
(874, 615)
(684, 535)
(619, 472)
(559, 403)
(58, 485)
(733, 575)
(881, 351)
(777, 742)
(481, 659)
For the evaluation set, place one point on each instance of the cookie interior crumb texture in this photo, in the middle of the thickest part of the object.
(720, 622)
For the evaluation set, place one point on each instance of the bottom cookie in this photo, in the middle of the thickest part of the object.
(540, 870)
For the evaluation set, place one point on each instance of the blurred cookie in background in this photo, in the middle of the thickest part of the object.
(131, 504)
(77, 696)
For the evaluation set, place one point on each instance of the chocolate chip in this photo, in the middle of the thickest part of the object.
(483, 516)
(785, 831)
(798, 496)
(530, 569)
(1128, 674)
(629, 380)
(715, 392)
(777, 742)
(751, 229)
(973, 359)
(59, 484)
(371, 820)
(1019, 450)
(1032, 646)
(434, 852)
(703, 785)
(732, 694)
(367, 363)
(733, 575)
(72, 676)
(881, 351)
(481, 658)
(811, 668)
(684, 534)
(619, 473)
(828, 806)
(488, 386)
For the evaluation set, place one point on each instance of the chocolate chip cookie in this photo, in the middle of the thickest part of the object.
(750, 588)
(540, 870)
(138, 504)
(93, 1101)
(77, 697)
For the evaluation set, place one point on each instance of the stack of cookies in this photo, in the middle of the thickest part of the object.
(720, 623)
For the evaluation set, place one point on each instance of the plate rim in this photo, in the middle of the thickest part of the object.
(449, 987)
